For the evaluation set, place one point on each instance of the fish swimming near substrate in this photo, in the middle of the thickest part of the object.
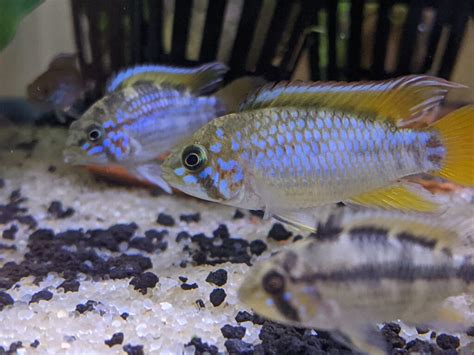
(364, 269)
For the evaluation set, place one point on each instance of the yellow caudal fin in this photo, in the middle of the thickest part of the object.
(456, 132)
(404, 98)
(199, 80)
(398, 197)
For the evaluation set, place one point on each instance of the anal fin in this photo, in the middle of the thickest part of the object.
(399, 197)
(152, 173)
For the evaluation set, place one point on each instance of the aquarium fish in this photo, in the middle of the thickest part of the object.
(344, 145)
(61, 86)
(145, 115)
(354, 275)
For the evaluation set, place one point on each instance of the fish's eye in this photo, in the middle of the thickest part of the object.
(194, 157)
(94, 133)
(273, 283)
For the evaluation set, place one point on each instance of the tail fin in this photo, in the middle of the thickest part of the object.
(457, 136)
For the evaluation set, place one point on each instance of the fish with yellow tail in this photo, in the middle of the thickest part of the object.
(296, 146)
(359, 271)
(147, 110)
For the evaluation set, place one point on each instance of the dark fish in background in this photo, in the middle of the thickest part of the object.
(61, 87)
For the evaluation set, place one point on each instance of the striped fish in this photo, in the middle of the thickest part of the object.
(147, 110)
(299, 146)
(360, 270)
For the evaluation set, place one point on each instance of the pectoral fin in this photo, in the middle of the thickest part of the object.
(399, 197)
(152, 173)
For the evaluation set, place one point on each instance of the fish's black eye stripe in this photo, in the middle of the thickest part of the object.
(285, 308)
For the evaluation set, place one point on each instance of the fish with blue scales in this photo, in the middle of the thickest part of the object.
(361, 270)
(297, 150)
(146, 111)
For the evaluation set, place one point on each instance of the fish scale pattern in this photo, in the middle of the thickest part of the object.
(294, 150)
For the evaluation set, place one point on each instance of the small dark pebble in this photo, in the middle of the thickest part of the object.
(10, 232)
(243, 316)
(183, 278)
(5, 300)
(394, 327)
(14, 347)
(69, 286)
(257, 247)
(86, 307)
(297, 237)
(433, 335)
(200, 303)
(390, 332)
(238, 214)
(51, 169)
(217, 296)
(156, 235)
(182, 236)
(2, 183)
(202, 348)
(218, 277)
(165, 220)
(183, 264)
(187, 287)
(447, 342)
(278, 232)
(124, 315)
(57, 210)
(470, 331)
(422, 329)
(144, 281)
(233, 332)
(133, 349)
(257, 213)
(421, 346)
(189, 218)
(116, 339)
(221, 232)
(28, 220)
(35, 344)
(237, 346)
(41, 295)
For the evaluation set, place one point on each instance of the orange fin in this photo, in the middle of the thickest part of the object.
(456, 131)
(397, 99)
(397, 197)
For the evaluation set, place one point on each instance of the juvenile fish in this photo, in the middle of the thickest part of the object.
(148, 109)
(361, 271)
(295, 147)
(61, 87)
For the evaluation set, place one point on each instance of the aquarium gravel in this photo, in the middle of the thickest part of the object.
(87, 266)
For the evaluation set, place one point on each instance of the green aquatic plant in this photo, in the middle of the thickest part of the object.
(11, 13)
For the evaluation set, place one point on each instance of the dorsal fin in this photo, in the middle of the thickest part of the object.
(397, 99)
(200, 80)
(64, 61)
